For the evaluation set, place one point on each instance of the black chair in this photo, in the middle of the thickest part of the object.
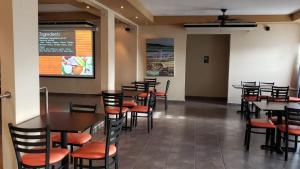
(143, 88)
(113, 106)
(250, 95)
(295, 99)
(164, 94)
(248, 83)
(258, 124)
(32, 148)
(152, 83)
(265, 90)
(279, 94)
(76, 139)
(144, 109)
(291, 127)
(98, 150)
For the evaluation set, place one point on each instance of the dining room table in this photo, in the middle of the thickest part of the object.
(64, 122)
(275, 109)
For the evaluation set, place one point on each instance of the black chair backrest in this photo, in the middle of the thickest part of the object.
(113, 134)
(167, 86)
(292, 116)
(251, 91)
(151, 81)
(142, 86)
(127, 89)
(81, 108)
(113, 100)
(266, 87)
(30, 140)
(279, 92)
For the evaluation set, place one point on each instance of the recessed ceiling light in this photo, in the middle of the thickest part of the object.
(122, 7)
(88, 7)
(136, 17)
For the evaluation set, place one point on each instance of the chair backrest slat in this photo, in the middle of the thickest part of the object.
(81, 108)
(151, 81)
(250, 91)
(142, 86)
(113, 100)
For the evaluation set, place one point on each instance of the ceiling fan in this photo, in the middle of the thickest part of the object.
(223, 20)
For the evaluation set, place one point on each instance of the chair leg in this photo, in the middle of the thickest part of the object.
(81, 163)
(166, 102)
(267, 136)
(148, 121)
(72, 148)
(248, 139)
(246, 136)
(90, 163)
(75, 163)
(242, 105)
(296, 143)
(151, 120)
(116, 158)
(272, 139)
(286, 139)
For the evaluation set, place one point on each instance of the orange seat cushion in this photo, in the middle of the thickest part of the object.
(293, 129)
(143, 94)
(294, 99)
(73, 138)
(94, 150)
(160, 94)
(116, 110)
(251, 98)
(142, 109)
(129, 104)
(38, 159)
(262, 123)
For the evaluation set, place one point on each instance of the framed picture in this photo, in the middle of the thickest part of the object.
(160, 57)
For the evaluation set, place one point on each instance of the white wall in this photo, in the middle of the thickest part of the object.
(177, 85)
(254, 55)
(260, 55)
(126, 55)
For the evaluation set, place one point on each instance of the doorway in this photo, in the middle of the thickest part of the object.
(207, 66)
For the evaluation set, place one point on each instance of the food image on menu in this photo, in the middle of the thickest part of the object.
(74, 65)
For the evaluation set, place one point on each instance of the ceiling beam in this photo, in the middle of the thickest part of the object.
(67, 16)
(179, 20)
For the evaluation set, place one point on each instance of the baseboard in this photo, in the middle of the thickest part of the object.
(201, 98)
(70, 94)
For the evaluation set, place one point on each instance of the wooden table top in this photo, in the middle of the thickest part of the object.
(64, 121)
(275, 106)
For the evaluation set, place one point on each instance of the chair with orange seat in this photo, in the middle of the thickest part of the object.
(164, 94)
(290, 127)
(144, 109)
(113, 106)
(143, 88)
(152, 83)
(258, 124)
(32, 148)
(129, 101)
(279, 94)
(250, 95)
(265, 90)
(77, 139)
(98, 150)
(250, 83)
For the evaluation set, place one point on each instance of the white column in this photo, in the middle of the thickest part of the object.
(107, 50)
(19, 67)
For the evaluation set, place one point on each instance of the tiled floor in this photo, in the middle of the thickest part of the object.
(191, 135)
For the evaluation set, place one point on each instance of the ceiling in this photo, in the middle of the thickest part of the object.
(210, 7)
(58, 8)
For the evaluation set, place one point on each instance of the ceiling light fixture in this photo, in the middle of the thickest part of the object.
(87, 7)
(136, 17)
(122, 7)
